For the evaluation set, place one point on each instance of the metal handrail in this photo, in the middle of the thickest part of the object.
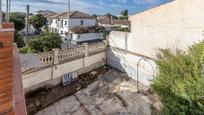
(146, 60)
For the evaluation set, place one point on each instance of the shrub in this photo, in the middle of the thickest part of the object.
(180, 81)
(42, 43)
(18, 39)
(118, 28)
(87, 29)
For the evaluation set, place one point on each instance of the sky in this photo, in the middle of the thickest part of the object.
(98, 7)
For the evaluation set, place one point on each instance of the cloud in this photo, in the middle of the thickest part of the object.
(123, 1)
(40, 1)
(58, 5)
(145, 2)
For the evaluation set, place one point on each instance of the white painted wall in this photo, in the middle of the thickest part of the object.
(86, 37)
(177, 24)
(72, 23)
(127, 62)
(41, 76)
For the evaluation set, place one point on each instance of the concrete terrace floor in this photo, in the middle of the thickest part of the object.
(113, 93)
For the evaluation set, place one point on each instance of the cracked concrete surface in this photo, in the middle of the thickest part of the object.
(111, 94)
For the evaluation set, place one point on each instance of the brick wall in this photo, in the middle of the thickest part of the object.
(6, 69)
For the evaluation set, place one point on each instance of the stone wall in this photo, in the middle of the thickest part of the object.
(57, 63)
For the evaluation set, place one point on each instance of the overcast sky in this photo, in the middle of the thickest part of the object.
(88, 6)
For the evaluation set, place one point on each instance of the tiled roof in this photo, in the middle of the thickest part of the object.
(73, 14)
(49, 15)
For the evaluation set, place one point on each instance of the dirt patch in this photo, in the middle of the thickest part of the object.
(42, 98)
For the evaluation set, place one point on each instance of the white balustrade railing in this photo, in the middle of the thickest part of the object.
(47, 57)
(58, 56)
(65, 55)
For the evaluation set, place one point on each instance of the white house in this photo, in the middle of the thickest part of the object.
(59, 21)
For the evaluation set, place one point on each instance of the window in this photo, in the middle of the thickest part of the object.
(81, 22)
(61, 23)
(65, 23)
(61, 32)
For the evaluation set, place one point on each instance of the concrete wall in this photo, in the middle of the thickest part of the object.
(51, 76)
(127, 62)
(177, 24)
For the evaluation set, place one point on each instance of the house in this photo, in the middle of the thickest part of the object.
(59, 21)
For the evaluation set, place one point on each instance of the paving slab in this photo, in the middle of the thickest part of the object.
(103, 97)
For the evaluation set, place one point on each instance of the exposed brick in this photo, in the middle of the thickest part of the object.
(7, 107)
(11, 113)
(5, 65)
(7, 25)
(6, 81)
(6, 88)
(5, 55)
(6, 69)
(3, 76)
(6, 100)
(5, 60)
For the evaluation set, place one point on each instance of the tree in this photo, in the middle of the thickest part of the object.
(42, 43)
(124, 13)
(180, 81)
(19, 40)
(94, 15)
(38, 21)
(18, 19)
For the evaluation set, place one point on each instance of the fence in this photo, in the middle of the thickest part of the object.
(60, 56)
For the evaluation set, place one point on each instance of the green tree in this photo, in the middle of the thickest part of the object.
(124, 13)
(19, 40)
(38, 21)
(180, 81)
(42, 43)
(94, 15)
(18, 19)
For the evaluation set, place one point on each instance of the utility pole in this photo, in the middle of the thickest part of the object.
(7, 10)
(27, 20)
(68, 17)
(0, 16)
